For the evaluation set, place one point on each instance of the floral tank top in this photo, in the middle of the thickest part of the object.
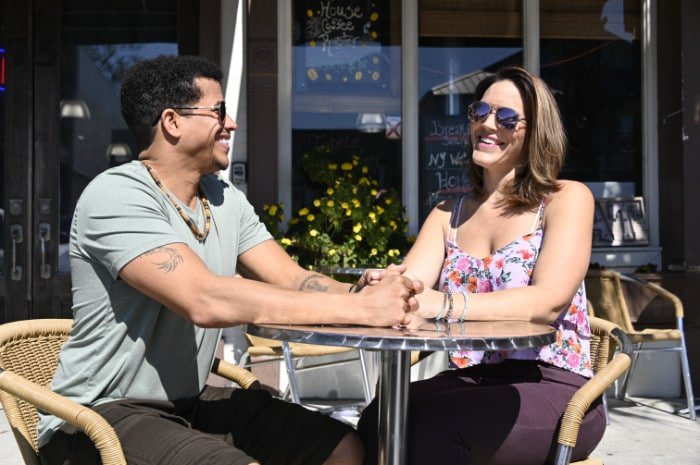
(509, 267)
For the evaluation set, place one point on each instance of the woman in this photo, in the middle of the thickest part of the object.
(516, 248)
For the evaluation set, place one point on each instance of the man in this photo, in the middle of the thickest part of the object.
(154, 248)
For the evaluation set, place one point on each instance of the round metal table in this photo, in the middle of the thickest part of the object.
(395, 344)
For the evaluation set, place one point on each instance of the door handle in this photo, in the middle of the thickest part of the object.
(44, 237)
(17, 236)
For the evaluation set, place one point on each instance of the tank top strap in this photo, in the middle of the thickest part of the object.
(537, 223)
(454, 219)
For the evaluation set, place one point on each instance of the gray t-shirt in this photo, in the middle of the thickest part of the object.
(124, 344)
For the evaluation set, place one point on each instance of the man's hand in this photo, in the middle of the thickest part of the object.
(392, 295)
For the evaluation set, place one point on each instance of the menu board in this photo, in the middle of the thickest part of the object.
(340, 41)
(444, 151)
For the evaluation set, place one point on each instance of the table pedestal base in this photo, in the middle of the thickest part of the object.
(393, 406)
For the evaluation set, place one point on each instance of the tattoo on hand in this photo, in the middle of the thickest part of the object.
(172, 260)
(311, 283)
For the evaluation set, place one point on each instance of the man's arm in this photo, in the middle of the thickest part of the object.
(176, 277)
(268, 262)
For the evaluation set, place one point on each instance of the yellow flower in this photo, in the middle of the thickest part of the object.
(388, 201)
(392, 252)
(357, 228)
(373, 17)
(356, 203)
(365, 170)
(380, 210)
(330, 203)
(393, 225)
(373, 192)
(313, 233)
(310, 218)
(273, 210)
(332, 166)
(373, 251)
(304, 211)
(364, 180)
(344, 205)
(286, 241)
(331, 252)
(265, 207)
(348, 212)
(358, 238)
(373, 217)
(355, 160)
(310, 13)
(346, 166)
(317, 203)
(330, 191)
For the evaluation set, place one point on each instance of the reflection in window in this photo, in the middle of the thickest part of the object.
(346, 88)
(594, 68)
(460, 44)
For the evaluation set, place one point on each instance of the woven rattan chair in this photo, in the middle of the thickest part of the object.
(605, 336)
(604, 289)
(28, 358)
(293, 353)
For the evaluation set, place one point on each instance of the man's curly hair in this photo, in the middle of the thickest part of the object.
(151, 86)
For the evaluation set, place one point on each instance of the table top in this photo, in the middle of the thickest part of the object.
(428, 335)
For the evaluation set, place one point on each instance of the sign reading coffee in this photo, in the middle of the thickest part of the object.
(341, 40)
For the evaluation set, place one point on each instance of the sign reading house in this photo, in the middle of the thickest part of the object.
(340, 42)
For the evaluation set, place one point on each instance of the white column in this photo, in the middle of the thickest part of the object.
(531, 36)
(409, 111)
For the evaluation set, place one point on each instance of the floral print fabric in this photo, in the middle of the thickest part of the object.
(509, 267)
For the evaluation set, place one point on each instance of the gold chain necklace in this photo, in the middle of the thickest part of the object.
(199, 235)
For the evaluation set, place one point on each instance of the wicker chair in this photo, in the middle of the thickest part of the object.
(607, 369)
(28, 358)
(604, 289)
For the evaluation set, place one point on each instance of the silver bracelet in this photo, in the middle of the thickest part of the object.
(465, 307)
(444, 306)
(450, 306)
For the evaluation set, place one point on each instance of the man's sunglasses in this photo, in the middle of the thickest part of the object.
(506, 118)
(220, 109)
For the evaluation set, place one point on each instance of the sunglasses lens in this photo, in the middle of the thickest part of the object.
(507, 118)
(478, 111)
(222, 111)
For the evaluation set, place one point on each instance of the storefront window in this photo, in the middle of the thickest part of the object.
(346, 89)
(591, 58)
(94, 135)
(459, 45)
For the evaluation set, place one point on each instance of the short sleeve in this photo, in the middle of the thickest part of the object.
(120, 216)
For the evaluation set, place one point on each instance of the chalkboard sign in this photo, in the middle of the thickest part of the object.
(444, 149)
(340, 42)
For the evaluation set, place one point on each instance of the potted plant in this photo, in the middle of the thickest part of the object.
(351, 224)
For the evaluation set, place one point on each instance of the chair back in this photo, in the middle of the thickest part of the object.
(604, 290)
(30, 349)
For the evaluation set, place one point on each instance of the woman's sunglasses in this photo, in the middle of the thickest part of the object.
(506, 118)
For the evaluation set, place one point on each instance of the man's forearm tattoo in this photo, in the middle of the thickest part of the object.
(171, 261)
(311, 283)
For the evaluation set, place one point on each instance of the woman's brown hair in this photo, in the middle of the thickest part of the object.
(544, 146)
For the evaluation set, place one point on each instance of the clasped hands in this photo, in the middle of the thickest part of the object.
(394, 281)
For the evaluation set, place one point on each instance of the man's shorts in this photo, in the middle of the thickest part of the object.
(221, 426)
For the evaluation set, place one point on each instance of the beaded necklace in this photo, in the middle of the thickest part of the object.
(199, 235)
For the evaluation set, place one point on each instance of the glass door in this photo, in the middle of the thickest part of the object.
(63, 69)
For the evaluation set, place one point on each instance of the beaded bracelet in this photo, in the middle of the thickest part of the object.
(465, 307)
(451, 306)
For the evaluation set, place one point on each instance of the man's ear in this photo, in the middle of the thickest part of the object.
(171, 123)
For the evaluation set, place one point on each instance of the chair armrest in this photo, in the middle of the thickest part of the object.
(241, 376)
(677, 303)
(584, 397)
(80, 416)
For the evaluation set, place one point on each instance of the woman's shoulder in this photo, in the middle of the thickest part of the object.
(571, 191)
